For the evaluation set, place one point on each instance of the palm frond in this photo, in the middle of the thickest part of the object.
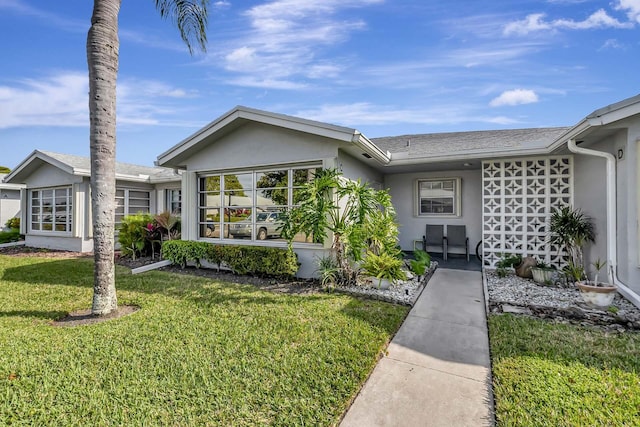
(191, 17)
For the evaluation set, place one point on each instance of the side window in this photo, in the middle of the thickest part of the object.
(438, 197)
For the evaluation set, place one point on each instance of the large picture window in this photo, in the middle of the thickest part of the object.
(438, 197)
(248, 205)
(51, 210)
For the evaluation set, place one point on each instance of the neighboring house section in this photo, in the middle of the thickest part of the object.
(56, 200)
(501, 185)
(9, 200)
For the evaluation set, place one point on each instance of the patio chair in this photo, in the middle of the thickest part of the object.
(434, 237)
(456, 237)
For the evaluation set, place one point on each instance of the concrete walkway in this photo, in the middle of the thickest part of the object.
(437, 369)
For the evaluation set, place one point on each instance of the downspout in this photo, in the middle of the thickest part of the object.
(612, 253)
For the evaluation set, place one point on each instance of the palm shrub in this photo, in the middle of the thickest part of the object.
(571, 229)
(384, 266)
(358, 218)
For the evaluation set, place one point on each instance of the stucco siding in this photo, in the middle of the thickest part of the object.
(50, 176)
(256, 145)
(9, 205)
(73, 244)
(590, 196)
(402, 188)
(353, 168)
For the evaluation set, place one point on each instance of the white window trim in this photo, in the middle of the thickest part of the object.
(70, 212)
(253, 241)
(457, 202)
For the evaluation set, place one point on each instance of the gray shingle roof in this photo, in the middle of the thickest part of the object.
(79, 162)
(435, 144)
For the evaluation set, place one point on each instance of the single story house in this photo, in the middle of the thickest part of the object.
(247, 165)
(56, 201)
(9, 201)
(502, 185)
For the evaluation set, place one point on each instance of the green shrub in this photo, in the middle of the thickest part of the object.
(254, 260)
(420, 263)
(13, 223)
(12, 235)
(138, 235)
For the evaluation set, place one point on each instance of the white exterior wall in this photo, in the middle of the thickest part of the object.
(9, 205)
(256, 145)
(354, 169)
(402, 188)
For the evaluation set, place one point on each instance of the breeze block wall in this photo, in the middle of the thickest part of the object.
(518, 197)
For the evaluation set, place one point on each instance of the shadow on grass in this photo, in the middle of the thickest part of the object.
(203, 291)
(44, 315)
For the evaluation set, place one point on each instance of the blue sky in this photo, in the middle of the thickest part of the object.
(382, 67)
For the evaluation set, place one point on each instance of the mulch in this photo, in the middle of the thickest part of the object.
(84, 317)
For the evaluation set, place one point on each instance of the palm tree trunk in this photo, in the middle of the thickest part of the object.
(102, 58)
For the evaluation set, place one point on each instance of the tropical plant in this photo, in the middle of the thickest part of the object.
(420, 263)
(384, 266)
(168, 225)
(328, 271)
(190, 16)
(13, 223)
(354, 213)
(137, 235)
(507, 261)
(571, 229)
(598, 265)
(575, 272)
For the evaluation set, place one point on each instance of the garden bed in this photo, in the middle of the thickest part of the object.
(513, 294)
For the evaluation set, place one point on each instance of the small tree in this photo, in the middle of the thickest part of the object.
(357, 216)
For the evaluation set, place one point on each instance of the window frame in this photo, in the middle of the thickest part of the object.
(456, 198)
(169, 201)
(68, 214)
(201, 211)
(126, 198)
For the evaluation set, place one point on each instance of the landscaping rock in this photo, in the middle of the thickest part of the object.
(559, 302)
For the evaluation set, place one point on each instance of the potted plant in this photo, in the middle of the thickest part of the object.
(385, 267)
(507, 261)
(597, 293)
(543, 273)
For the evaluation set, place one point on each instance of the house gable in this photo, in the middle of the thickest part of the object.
(258, 144)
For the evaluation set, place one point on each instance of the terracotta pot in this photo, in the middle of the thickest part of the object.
(598, 296)
(524, 268)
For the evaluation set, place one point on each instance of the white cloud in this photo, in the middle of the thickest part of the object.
(287, 41)
(610, 44)
(599, 19)
(536, 23)
(515, 97)
(631, 7)
(364, 113)
(531, 23)
(221, 4)
(61, 100)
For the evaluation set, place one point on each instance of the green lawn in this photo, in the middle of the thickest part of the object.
(547, 374)
(197, 353)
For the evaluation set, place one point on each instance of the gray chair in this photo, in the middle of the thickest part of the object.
(434, 237)
(456, 237)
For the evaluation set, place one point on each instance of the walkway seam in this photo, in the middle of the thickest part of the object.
(434, 369)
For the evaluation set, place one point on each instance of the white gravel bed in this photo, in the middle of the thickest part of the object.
(403, 292)
(516, 291)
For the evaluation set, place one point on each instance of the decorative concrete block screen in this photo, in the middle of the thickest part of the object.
(518, 197)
